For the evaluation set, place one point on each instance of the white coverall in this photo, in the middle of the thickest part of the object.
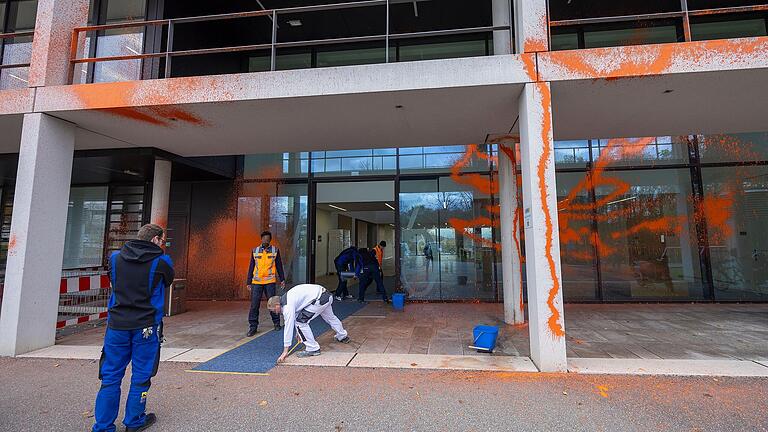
(304, 297)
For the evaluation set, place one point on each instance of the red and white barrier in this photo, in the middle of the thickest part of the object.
(80, 320)
(83, 283)
(73, 285)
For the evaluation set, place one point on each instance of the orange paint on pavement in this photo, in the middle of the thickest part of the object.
(541, 171)
(603, 390)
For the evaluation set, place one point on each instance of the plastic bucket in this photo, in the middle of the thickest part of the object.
(398, 301)
(485, 337)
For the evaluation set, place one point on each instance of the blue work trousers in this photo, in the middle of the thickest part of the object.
(141, 348)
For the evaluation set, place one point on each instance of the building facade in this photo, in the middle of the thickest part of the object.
(528, 152)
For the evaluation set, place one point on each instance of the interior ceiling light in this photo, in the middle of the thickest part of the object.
(131, 173)
(337, 207)
(294, 23)
(387, 204)
(415, 9)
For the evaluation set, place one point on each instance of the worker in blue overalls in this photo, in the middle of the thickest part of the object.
(139, 273)
(349, 260)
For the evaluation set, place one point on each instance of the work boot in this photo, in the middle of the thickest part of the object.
(251, 332)
(278, 327)
(305, 354)
(346, 340)
(149, 420)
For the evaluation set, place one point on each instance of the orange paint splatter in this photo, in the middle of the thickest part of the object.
(12, 244)
(603, 390)
(134, 114)
(541, 171)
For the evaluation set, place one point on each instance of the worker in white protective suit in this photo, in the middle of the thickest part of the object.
(300, 305)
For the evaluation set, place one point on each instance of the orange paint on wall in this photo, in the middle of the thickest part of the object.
(555, 326)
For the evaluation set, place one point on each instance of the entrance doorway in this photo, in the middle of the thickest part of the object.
(354, 213)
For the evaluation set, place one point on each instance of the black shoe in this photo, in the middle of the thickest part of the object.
(305, 354)
(362, 302)
(251, 332)
(278, 327)
(346, 340)
(149, 420)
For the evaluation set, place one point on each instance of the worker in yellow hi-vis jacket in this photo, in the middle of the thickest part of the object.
(264, 272)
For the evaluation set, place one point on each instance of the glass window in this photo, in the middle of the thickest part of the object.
(726, 26)
(86, 222)
(577, 250)
(571, 154)
(350, 56)
(284, 61)
(742, 147)
(735, 209)
(354, 162)
(645, 151)
(281, 209)
(564, 41)
(442, 50)
(127, 41)
(622, 34)
(445, 158)
(647, 240)
(18, 50)
(569, 9)
(714, 4)
(275, 166)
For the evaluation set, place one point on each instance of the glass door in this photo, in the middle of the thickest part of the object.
(446, 242)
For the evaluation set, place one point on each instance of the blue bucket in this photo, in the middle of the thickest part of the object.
(485, 338)
(398, 301)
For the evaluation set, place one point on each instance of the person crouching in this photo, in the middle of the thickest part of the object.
(300, 305)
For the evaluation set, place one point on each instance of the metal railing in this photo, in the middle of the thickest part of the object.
(273, 46)
(4, 36)
(682, 14)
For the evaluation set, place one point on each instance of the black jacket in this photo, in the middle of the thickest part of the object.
(139, 273)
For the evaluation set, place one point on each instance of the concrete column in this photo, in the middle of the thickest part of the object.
(511, 266)
(502, 15)
(52, 45)
(542, 245)
(531, 26)
(36, 247)
(161, 191)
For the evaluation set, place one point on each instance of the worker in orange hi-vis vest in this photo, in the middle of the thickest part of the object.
(379, 250)
(264, 272)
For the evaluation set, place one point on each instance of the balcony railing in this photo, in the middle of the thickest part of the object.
(168, 26)
(681, 19)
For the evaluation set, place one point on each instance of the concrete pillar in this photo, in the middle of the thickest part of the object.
(52, 45)
(531, 26)
(511, 266)
(36, 246)
(542, 245)
(502, 16)
(161, 191)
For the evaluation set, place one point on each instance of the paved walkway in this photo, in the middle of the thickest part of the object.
(728, 339)
(58, 395)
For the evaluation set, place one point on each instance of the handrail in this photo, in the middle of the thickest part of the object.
(660, 15)
(17, 34)
(272, 46)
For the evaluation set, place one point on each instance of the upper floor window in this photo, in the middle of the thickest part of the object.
(589, 24)
(174, 38)
(17, 23)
